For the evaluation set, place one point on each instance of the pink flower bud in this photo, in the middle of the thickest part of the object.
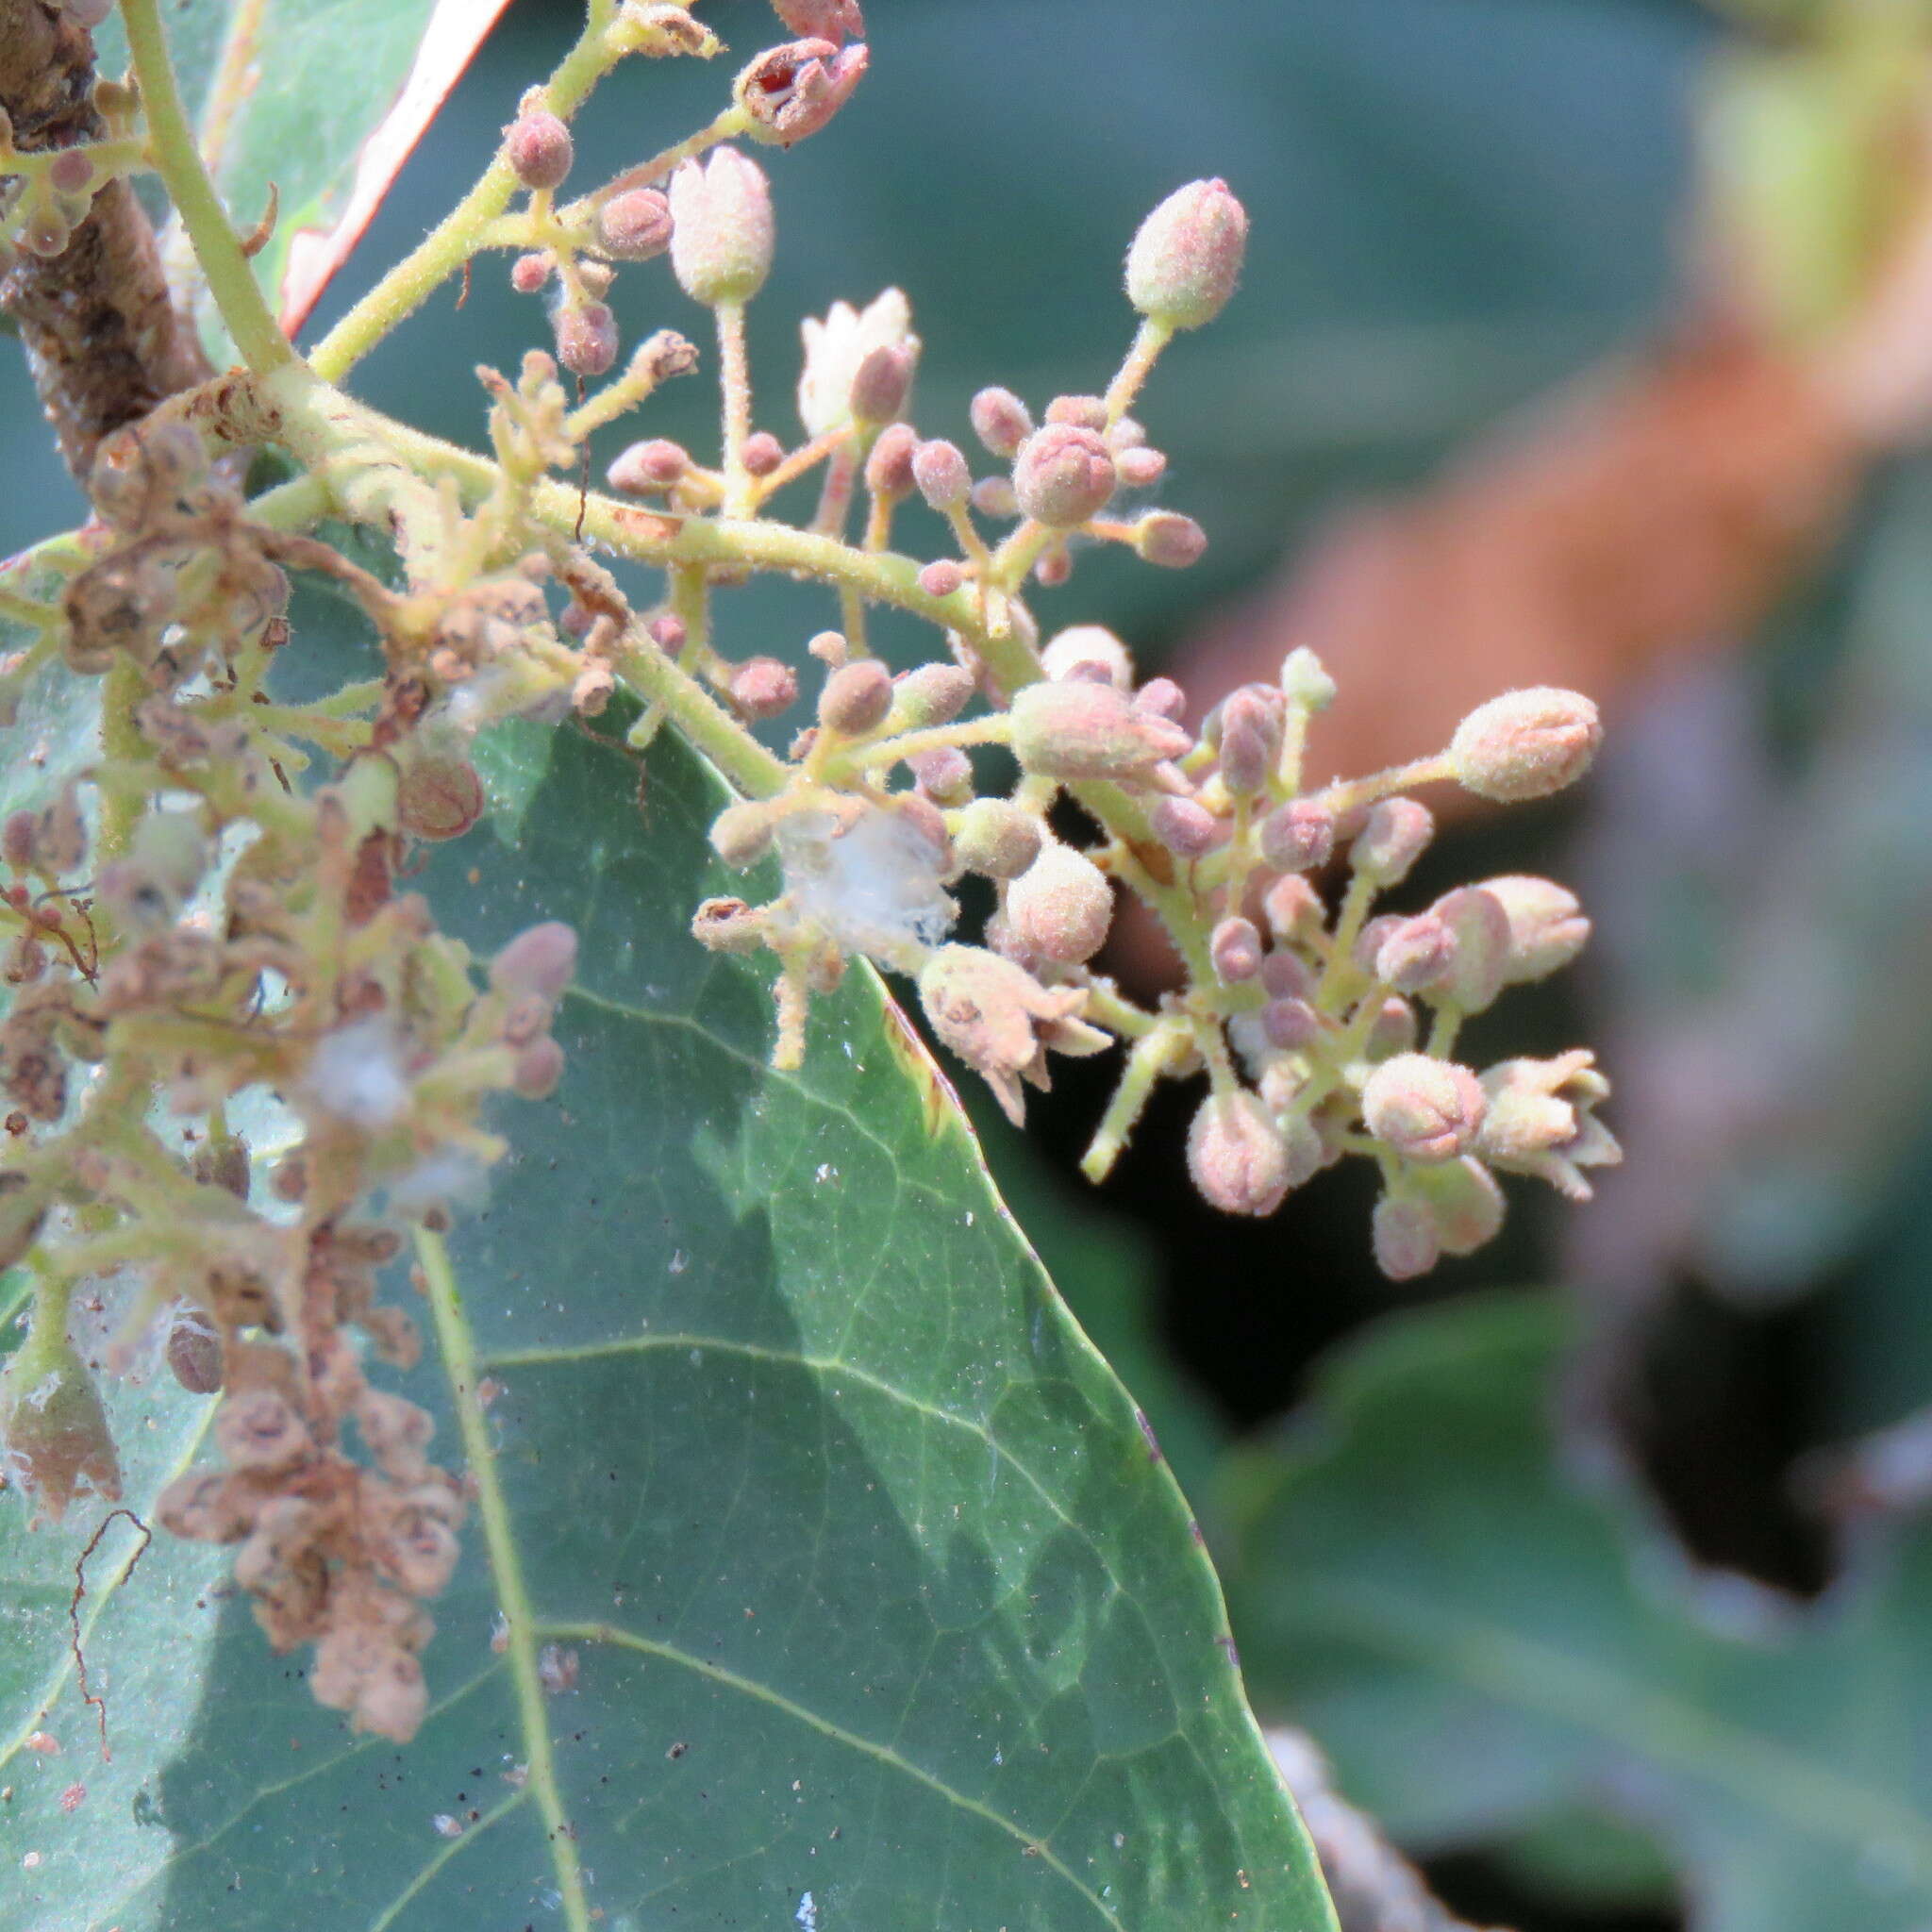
(944, 774)
(1001, 421)
(992, 496)
(1000, 1020)
(1547, 928)
(939, 469)
(1464, 1204)
(940, 578)
(856, 698)
(1286, 976)
(585, 338)
(1525, 744)
(763, 452)
(763, 687)
(538, 1068)
(1423, 1109)
(1187, 829)
(648, 467)
(528, 272)
(539, 962)
(793, 91)
(1083, 412)
(1404, 1241)
(1290, 1024)
(1250, 737)
(1187, 257)
(1480, 928)
(1140, 469)
(741, 833)
(1167, 540)
(1053, 566)
(1085, 646)
(1392, 841)
(931, 695)
(888, 467)
(540, 148)
(1234, 948)
(438, 796)
(1164, 698)
(1297, 837)
(883, 381)
(723, 237)
(1294, 909)
(1061, 905)
(1063, 476)
(1415, 954)
(635, 225)
(1070, 728)
(1394, 1031)
(821, 19)
(1236, 1155)
(996, 839)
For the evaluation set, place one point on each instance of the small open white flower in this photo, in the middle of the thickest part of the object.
(835, 347)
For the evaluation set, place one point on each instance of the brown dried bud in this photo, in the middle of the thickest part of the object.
(1297, 837)
(727, 925)
(193, 1351)
(996, 839)
(888, 467)
(721, 245)
(17, 840)
(635, 225)
(1424, 1110)
(1187, 257)
(1061, 905)
(1525, 744)
(1168, 541)
(1547, 928)
(1063, 476)
(439, 797)
(52, 1427)
(793, 90)
(1074, 729)
(1393, 839)
(763, 687)
(1237, 1155)
(939, 469)
(258, 1431)
(585, 338)
(1001, 421)
(540, 148)
(856, 698)
(648, 467)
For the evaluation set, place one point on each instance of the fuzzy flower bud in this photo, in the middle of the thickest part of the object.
(884, 381)
(52, 1427)
(1547, 928)
(793, 91)
(931, 695)
(585, 338)
(763, 687)
(996, 839)
(1236, 1155)
(528, 272)
(1071, 728)
(1540, 1120)
(1405, 1239)
(1294, 909)
(1187, 257)
(1297, 837)
(723, 237)
(540, 148)
(741, 833)
(1234, 947)
(1164, 698)
(1415, 953)
(1060, 906)
(940, 578)
(1464, 1204)
(635, 225)
(1187, 829)
(1474, 976)
(888, 467)
(1305, 680)
(1063, 476)
(1525, 744)
(856, 698)
(939, 468)
(538, 964)
(1424, 1110)
(1088, 649)
(821, 19)
(858, 362)
(1001, 421)
(1290, 1024)
(648, 467)
(1250, 737)
(1392, 841)
(1168, 541)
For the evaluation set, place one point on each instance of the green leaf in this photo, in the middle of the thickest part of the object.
(883, 1616)
(1481, 1645)
(309, 97)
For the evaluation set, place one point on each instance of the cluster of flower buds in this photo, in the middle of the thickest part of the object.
(55, 187)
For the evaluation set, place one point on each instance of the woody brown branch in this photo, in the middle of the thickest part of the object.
(104, 342)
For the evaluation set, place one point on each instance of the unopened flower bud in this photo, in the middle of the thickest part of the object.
(1187, 257)
(539, 964)
(1236, 1155)
(438, 796)
(1250, 739)
(821, 19)
(1416, 953)
(722, 236)
(992, 496)
(883, 381)
(585, 338)
(1305, 680)
(648, 467)
(1168, 541)
(1424, 1110)
(46, 233)
(1061, 905)
(1164, 698)
(193, 1351)
(856, 698)
(793, 91)
(1290, 1024)
(528, 272)
(939, 468)
(1464, 1204)
(1234, 948)
(1093, 645)
(1001, 421)
(51, 1426)
(940, 578)
(1063, 476)
(888, 465)
(540, 148)
(1547, 928)
(763, 452)
(1392, 841)
(996, 839)
(17, 837)
(943, 775)
(931, 695)
(1525, 744)
(1297, 836)
(1140, 468)
(635, 225)
(1480, 928)
(1393, 1030)
(1404, 1241)
(1083, 412)
(538, 1068)
(1286, 976)
(1187, 829)
(741, 833)
(1069, 728)
(763, 687)
(1294, 909)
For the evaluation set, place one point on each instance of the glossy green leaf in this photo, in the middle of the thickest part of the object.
(1481, 1644)
(881, 1613)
